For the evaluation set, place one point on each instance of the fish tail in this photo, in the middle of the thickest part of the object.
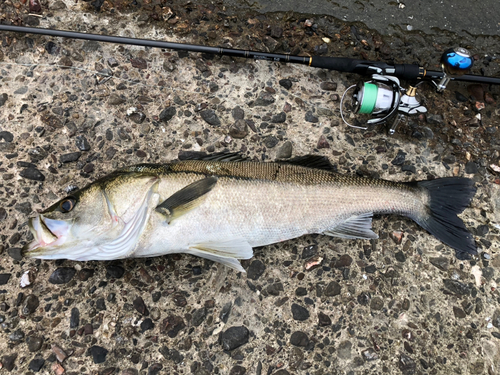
(447, 198)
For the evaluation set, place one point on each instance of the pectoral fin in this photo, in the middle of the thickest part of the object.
(226, 252)
(355, 227)
(186, 199)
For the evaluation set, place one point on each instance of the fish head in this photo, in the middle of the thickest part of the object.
(79, 226)
(74, 220)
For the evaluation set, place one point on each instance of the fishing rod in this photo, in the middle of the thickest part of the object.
(382, 96)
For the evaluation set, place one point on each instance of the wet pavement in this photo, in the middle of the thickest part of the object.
(72, 111)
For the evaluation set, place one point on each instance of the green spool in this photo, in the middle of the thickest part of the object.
(369, 98)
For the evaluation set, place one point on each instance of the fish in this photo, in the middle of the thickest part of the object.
(221, 207)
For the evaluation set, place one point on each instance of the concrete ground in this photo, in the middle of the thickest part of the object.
(73, 111)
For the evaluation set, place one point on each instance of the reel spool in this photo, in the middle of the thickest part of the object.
(379, 97)
(382, 97)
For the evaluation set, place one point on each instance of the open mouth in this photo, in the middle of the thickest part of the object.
(47, 233)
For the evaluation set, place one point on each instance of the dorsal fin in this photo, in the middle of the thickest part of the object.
(218, 156)
(310, 161)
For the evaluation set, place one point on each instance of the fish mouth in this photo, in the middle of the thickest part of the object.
(48, 233)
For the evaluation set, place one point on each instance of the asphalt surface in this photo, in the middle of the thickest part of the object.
(460, 17)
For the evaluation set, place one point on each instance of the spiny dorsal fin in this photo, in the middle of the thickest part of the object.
(355, 227)
(186, 199)
(310, 161)
(218, 156)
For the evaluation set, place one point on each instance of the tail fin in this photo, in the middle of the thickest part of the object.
(447, 198)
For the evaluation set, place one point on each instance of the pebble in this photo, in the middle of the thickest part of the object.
(322, 142)
(140, 306)
(234, 337)
(98, 354)
(255, 270)
(400, 256)
(239, 129)
(238, 113)
(3, 214)
(110, 152)
(172, 325)
(363, 298)
(324, 320)
(406, 364)
(30, 304)
(109, 135)
(210, 117)
(399, 159)
(74, 320)
(155, 369)
(345, 260)
(130, 371)
(139, 63)
(496, 318)
(34, 343)
(3, 99)
(15, 253)
(456, 287)
(115, 99)
(332, 289)
(376, 303)
(370, 354)
(286, 83)
(56, 367)
(85, 273)
(237, 370)
(435, 119)
(344, 350)
(224, 313)
(299, 313)
(285, 151)
(199, 316)
(6, 136)
(440, 262)
(8, 361)
(24, 208)
(17, 336)
(263, 100)
(147, 324)
(114, 272)
(328, 86)
(311, 118)
(167, 114)
(82, 143)
(137, 117)
(32, 174)
(279, 118)
(59, 353)
(299, 338)
(62, 275)
(270, 141)
(36, 364)
(458, 312)
(4, 278)
(71, 157)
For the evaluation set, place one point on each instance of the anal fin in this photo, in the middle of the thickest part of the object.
(359, 226)
(226, 252)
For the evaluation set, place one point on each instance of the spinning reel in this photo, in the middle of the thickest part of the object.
(383, 98)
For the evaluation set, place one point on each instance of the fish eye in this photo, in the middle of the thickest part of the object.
(67, 204)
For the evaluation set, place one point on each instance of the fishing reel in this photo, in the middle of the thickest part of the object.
(383, 98)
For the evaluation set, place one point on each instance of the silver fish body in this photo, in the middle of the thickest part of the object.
(220, 210)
